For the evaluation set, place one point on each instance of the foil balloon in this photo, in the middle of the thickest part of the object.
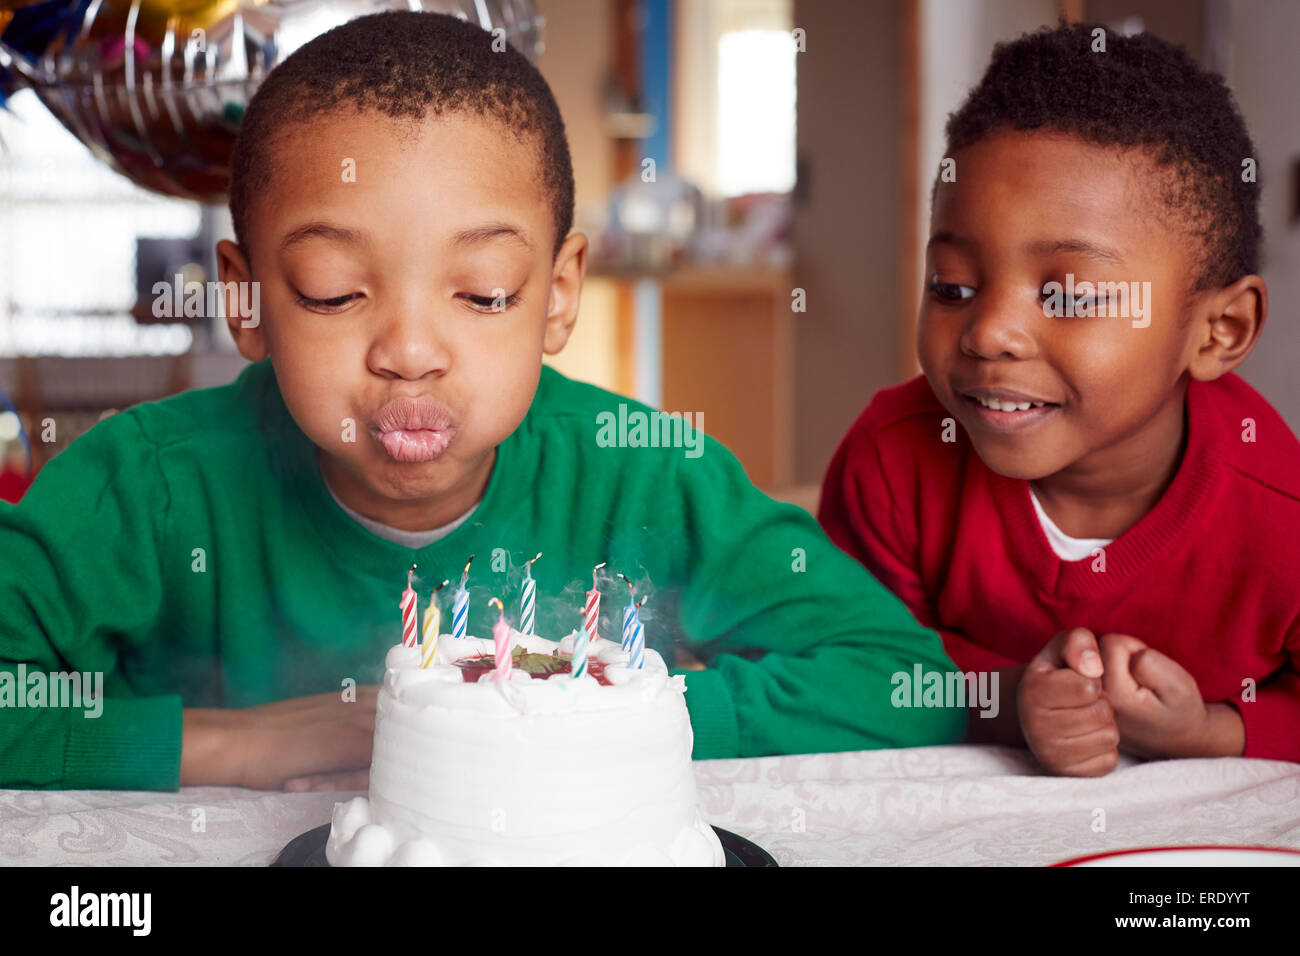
(28, 28)
(156, 88)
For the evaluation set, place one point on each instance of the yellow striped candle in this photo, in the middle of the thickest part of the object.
(429, 630)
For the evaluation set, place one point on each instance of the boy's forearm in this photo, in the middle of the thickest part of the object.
(1226, 735)
(835, 698)
(1004, 728)
(207, 758)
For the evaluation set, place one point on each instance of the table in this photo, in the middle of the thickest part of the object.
(957, 805)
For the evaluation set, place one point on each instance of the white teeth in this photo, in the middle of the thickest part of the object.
(999, 406)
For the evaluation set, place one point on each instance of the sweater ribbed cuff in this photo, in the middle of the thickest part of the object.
(713, 715)
(1269, 722)
(134, 744)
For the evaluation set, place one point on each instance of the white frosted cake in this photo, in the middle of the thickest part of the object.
(537, 770)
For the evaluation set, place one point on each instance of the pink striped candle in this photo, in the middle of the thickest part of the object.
(408, 611)
(591, 614)
(501, 642)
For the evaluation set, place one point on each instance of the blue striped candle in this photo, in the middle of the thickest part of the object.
(636, 642)
(633, 632)
(460, 607)
(460, 614)
(629, 614)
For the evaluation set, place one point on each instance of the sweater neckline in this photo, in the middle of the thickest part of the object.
(1134, 550)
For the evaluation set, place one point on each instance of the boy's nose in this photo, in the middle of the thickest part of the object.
(995, 330)
(410, 347)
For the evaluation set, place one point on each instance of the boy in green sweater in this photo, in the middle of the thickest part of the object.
(230, 558)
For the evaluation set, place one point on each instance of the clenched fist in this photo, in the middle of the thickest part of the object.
(1158, 705)
(1065, 716)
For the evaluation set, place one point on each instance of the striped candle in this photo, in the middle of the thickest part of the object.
(429, 632)
(460, 606)
(633, 632)
(636, 644)
(630, 624)
(408, 611)
(501, 642)
(528, 604)
(591, 614)
(629, 613)
(580, 644)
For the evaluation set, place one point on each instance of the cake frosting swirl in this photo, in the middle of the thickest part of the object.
(529, 771)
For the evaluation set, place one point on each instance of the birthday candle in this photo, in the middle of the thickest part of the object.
(501, 642)
(591, 616)
(528, 604)
(408, 611)
(580, 643)
(636, 647)
(633, 632)
(629, 613)
(460, 607)
(429, 632)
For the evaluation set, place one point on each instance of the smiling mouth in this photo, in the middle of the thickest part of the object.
(1005, 411)
(1005, 406)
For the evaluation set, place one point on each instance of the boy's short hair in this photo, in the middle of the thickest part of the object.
(1141, 92)
(405, 65)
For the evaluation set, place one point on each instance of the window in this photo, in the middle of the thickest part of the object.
(68, 230)
(734, 101)
(756, 99)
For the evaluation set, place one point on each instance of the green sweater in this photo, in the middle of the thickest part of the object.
(189, 551)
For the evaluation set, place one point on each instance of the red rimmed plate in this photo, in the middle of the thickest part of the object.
(1191, 856)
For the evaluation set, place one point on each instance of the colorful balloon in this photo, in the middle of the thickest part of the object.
(157, 88)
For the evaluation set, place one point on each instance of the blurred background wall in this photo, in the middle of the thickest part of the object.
(769, 275)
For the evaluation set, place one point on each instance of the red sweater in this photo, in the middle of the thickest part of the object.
(1209, 576)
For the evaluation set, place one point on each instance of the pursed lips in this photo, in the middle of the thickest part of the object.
(413, 429)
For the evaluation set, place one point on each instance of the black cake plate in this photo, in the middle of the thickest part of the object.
(308, 849)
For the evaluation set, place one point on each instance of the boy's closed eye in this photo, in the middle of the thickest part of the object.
(484, 303)
(331, 304)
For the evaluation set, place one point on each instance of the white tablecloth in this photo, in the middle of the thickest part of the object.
(960, 805)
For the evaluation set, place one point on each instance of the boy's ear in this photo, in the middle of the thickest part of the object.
(1230, 323)
(245, 329)
(566, 288)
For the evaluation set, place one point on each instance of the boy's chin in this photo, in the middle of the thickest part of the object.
(426, 483)
(1015, 465)
(398, 480)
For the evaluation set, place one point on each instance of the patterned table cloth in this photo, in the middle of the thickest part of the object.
(957, 805)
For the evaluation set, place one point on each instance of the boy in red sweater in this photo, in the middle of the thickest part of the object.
(1078, 493)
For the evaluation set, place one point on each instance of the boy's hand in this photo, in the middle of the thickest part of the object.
(1158, 705)
(1064, 714)
(347, 780)
(685, 660)
(317, 743)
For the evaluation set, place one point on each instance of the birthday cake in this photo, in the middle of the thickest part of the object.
(541, 768)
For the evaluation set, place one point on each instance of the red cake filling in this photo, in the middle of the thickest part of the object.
(472, 668)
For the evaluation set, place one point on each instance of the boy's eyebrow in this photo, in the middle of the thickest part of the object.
(465, 237)
(1084, 247)
(488, 232)
(322, 230)
(951, 238)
